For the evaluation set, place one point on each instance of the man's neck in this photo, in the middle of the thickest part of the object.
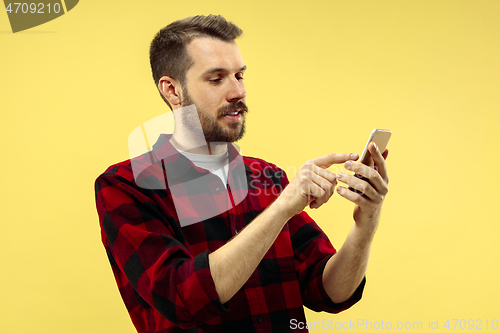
(197, 146)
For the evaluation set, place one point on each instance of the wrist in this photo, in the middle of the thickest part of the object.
(282, 207)
(366, 220)
(365, 231)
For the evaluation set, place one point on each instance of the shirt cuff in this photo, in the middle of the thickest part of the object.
(329, 305)
(199, 295)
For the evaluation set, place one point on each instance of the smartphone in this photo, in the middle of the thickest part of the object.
(381, 138)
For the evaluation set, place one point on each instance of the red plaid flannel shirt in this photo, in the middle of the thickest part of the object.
(162, 269)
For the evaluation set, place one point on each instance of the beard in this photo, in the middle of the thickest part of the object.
(212, 129)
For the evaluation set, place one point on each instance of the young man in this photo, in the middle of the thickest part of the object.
(201, 239)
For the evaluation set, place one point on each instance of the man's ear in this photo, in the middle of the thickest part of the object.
(171, 90)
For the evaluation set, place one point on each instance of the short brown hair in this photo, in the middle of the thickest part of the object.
(168, 51)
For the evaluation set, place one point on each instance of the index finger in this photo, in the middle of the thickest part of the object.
(330, 159)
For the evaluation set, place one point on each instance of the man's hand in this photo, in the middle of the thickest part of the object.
(372, 189)
(313, 185)
(232, 264)
(345, 270)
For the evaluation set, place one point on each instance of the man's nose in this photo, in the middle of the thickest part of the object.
(237, 90)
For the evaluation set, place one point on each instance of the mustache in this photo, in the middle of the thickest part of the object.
(233, 106)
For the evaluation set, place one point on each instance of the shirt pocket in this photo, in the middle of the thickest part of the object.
(279, 259)
(276, 271)
(279, 265)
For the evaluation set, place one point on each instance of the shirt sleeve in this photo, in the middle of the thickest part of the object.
(312, 249)
(151, 256)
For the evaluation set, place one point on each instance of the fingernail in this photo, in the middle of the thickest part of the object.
(375, 145)
(340, 175)
(348, 164)
(339, 189)
(353, 156)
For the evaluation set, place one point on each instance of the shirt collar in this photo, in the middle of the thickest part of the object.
(180, 168)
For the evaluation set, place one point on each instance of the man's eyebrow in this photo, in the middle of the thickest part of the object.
(220, 69)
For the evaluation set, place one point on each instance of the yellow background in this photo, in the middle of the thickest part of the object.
(321, 75)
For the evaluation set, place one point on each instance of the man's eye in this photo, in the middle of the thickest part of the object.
(215, 80)
(240, 78)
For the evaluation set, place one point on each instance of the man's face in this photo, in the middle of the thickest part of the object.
(214, 83)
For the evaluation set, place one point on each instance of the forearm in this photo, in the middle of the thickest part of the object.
(233, 264)
(345, 270)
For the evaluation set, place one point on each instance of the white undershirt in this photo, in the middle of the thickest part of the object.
(216, 164)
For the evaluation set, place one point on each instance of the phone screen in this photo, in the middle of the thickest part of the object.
(381, 138)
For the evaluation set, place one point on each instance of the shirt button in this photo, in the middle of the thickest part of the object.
(218, 190)
(259, 319)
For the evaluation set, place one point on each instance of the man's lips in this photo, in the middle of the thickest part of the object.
(235, 112)
(233, 115)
